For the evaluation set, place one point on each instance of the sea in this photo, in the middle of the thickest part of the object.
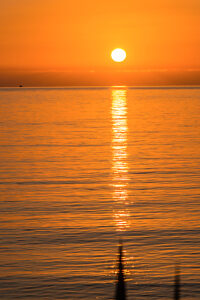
(83, 169)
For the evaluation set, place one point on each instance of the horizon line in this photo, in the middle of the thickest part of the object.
(181, 86)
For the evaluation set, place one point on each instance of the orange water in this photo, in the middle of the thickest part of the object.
(81, 168)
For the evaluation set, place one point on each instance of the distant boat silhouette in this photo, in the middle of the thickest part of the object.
(120, 293)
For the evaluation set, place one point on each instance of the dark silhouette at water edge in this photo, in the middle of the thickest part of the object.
(177, 284)
(120, 293)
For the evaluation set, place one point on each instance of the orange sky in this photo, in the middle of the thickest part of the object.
(44, 42)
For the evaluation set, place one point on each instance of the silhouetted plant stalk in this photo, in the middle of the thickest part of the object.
(177, 284)
(120, 293)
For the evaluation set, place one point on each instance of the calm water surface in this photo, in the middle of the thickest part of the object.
(81, 168)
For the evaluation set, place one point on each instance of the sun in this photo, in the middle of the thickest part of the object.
(118, 55)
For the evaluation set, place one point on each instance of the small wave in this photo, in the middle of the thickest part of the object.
(49, 182)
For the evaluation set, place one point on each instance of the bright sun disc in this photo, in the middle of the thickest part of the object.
(118, 55)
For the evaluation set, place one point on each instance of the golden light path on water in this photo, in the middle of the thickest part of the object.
(119, 159)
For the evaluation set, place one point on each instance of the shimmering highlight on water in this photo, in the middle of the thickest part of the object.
(119, 160)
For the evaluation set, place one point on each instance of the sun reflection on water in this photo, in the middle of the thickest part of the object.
(119, 159)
